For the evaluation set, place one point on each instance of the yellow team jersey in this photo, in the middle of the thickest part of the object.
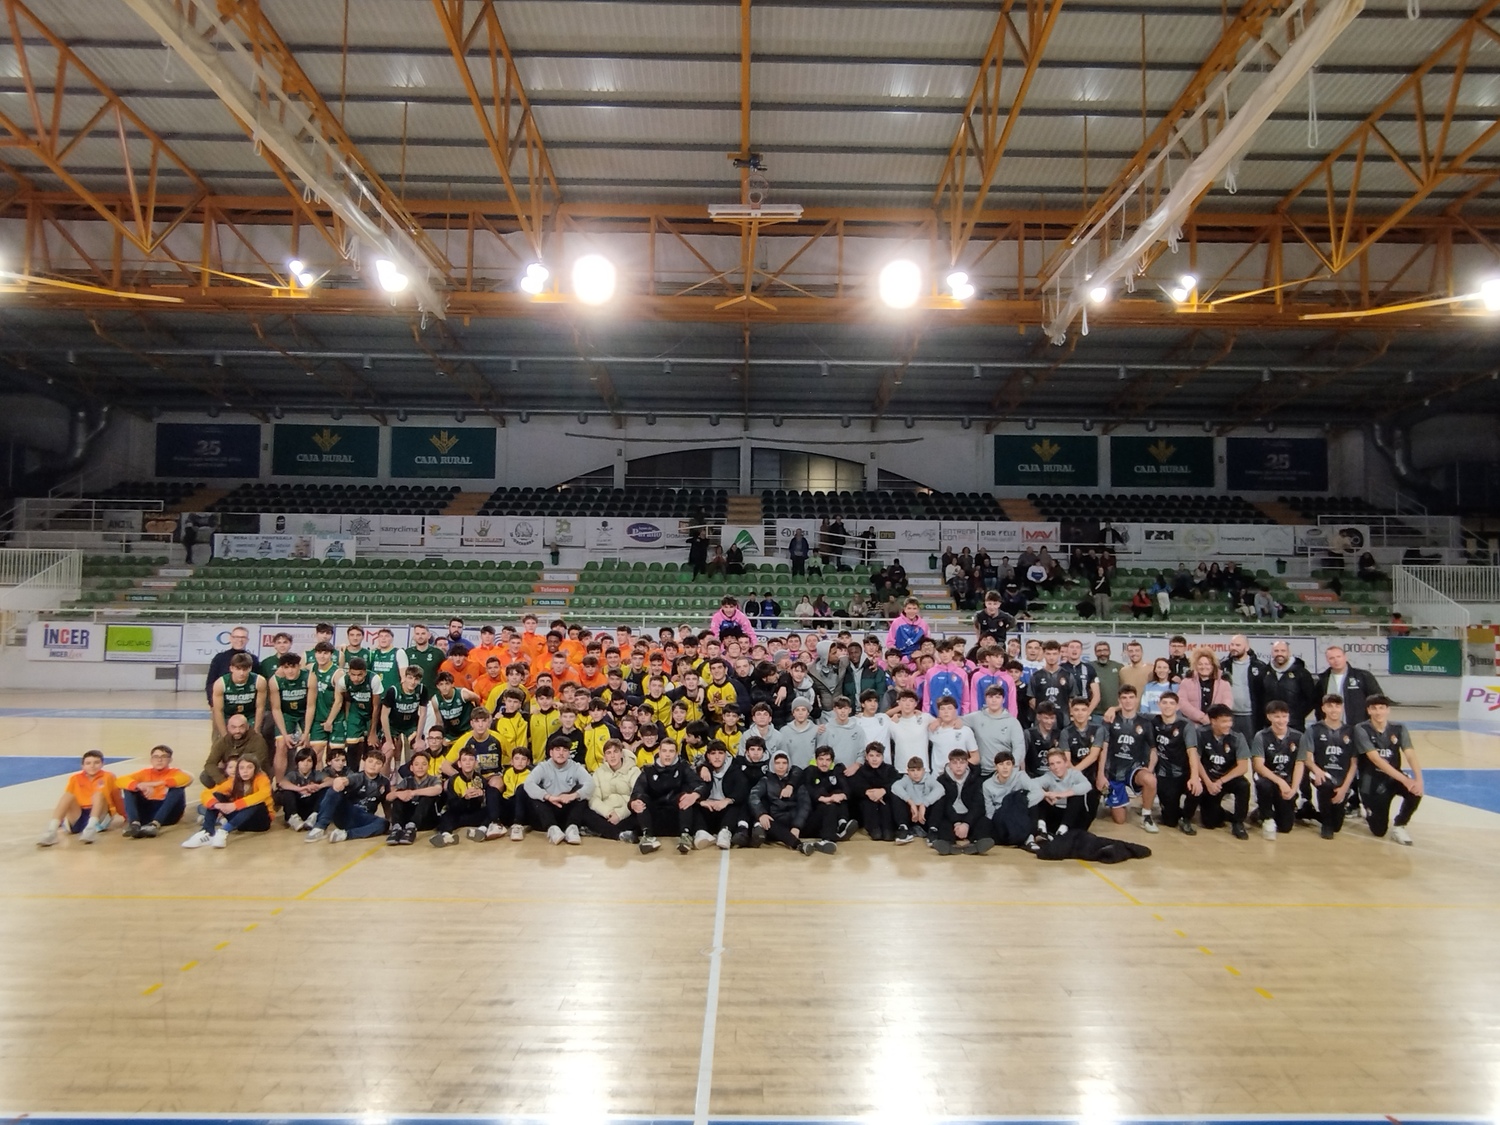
(513, 731)
(512, 780)
(695, 708)
(462, 785)
(661, 709)
(594, 738)
(542, 725)
(716, 696)
(495, 704)
(645, 756)
(731, 739)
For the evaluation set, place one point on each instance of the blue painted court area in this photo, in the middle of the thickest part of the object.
(199, 714)
(1478, 789)
(14, 771)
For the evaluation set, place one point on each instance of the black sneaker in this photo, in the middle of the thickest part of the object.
(905, 838)
(757, 836)
(739, 840)
(1031, 845)
(409, 834)
(806, 847)
(149, 831)
(1238, 829)
(942, 847)
(1185, 826)
(847, 829)
(393, 838)
(983, 845)
(827, 847)
(1328, 832)
(684, 844)
(132, 830)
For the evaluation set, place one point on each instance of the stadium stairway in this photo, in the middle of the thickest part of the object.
(1020, 510)
(466, 504)
(744, 510)
(1276, 510)
(198, 501)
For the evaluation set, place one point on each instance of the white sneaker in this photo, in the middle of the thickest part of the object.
(702, 840)
(296, 823)
(337, 836)
(197, 840)
(1401, 835)
(554, 835)
(47, 838)
(90, 833)
(1268, 829)
(493, 832)
(722, 839)
(104, 823)
(571, 835)
(516, 832)
(220, 838)
(314, 834)
(1148, 823)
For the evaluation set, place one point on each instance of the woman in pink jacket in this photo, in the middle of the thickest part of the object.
(1205, 687)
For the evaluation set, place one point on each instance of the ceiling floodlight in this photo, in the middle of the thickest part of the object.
(535, 279)
(901, 283)
(959, 285)
(1099, 294)
(593, 279)
(391, 279)
(1489, 293)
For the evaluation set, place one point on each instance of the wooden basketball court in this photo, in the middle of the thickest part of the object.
(279, 977)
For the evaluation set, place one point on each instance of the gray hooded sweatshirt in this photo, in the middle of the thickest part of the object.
(551, 780)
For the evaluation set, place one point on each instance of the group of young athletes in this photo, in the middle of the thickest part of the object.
(719, 738)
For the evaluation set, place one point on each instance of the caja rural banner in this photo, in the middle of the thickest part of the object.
(1161, 462)
(1046, 461)
(325, 451)
(445, 451)
(1425, 656)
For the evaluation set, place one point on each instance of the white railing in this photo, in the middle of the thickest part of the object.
(1421, 602)
(21, 566)
(40, 582)
(1405, 530)
(1474, 585)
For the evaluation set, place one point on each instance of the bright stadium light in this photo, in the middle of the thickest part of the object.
(1099, 294)
(391, 279)
(1489, 293)
(535, 279)
(593, 279)
(901, 283)
(960, 286)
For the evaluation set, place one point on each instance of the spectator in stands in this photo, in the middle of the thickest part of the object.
(867, 545)
(730, 621)
(734, 560)
(752, 609)
(1266, 608)
(825, 556)
(718, 566)
(1162, 596)
(1182, 581)
(1013, 601)
(838, 538)
(697, 553)
(770, 611)
(1398, 626)
(822, 611)
(804, 611)
(1099, 593)
(859, 608)
(1203, 689)
(1005, 572)
(896, 576)
(1140, 604)
(1368, 571)
(1213, 580)
(797, 551)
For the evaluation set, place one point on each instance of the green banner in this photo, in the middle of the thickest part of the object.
(443, 451)
(1047, 460)
(325, 451)
(1423, 656)
(1161, 462)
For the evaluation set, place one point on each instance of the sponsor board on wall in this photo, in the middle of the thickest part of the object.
(564, 531)
(443, 531)
(325, 451)
(1276, 464)
(1161, 462)
(400, 531)
(525, 531)
(321, 547)
(1479, 703)
(484, 532)
(958, 535)
(145, 644)
(80, 641)
(1425, 656)
(902, 536)
(193, 449)
(1339, 538)
(747, 537)
(1046, 461)
(310, 523)
(446, 451)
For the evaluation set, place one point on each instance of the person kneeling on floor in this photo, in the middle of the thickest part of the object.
(467, 802)
(1381, 779)
(961, 827)
(1223, 768)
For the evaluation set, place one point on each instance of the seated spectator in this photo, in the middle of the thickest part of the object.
(1266, 608)
(1162, 596)
(1399, 627)
(734, 560)
(1140, 604)
(804, 612)
(1368, 571)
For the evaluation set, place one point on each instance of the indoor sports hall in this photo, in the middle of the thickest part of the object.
(752, 561)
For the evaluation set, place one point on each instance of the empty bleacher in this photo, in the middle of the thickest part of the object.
(882, 505)
(1130, 507)
(622, 503)
(333, 499)
(1311, 507)
(170, 493)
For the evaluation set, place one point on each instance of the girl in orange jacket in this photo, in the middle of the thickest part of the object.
(240, 804)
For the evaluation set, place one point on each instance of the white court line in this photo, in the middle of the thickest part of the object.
(711, 1002)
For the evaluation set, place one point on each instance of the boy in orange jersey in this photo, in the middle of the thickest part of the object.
(155, 798)
(90, 801)
(493, 678)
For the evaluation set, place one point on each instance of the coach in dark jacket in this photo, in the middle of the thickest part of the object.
(1243, 663)
(1355, 684)
(1287, 679)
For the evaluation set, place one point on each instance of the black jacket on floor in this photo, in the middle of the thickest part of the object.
(1099, 849)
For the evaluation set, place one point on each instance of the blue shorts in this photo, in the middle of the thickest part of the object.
(1118, 796)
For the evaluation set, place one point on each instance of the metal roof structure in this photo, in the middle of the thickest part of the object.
(147, 214)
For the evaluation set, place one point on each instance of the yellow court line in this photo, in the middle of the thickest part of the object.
(250, 927)
(189, 965)
(1180, 933)
(1231, 970)
(1207, 952)
(221, 945)
(1266, 994)
(355, 862)
(151, 989)
(1090, 867)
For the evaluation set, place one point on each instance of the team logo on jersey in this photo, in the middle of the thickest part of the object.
(325, 439)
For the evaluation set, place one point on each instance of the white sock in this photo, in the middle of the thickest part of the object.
(53, 825)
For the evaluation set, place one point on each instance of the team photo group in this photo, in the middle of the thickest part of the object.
(716, 737)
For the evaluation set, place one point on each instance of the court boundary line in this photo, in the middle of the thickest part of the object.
(415, 1118)
(711, 1001)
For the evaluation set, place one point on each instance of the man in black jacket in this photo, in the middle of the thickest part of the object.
(1355, 684)
(1245, 673)
(780, 804)
(723, 800)
(1287, 679)
(664, 800)
(961, 826)
(830, 818)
